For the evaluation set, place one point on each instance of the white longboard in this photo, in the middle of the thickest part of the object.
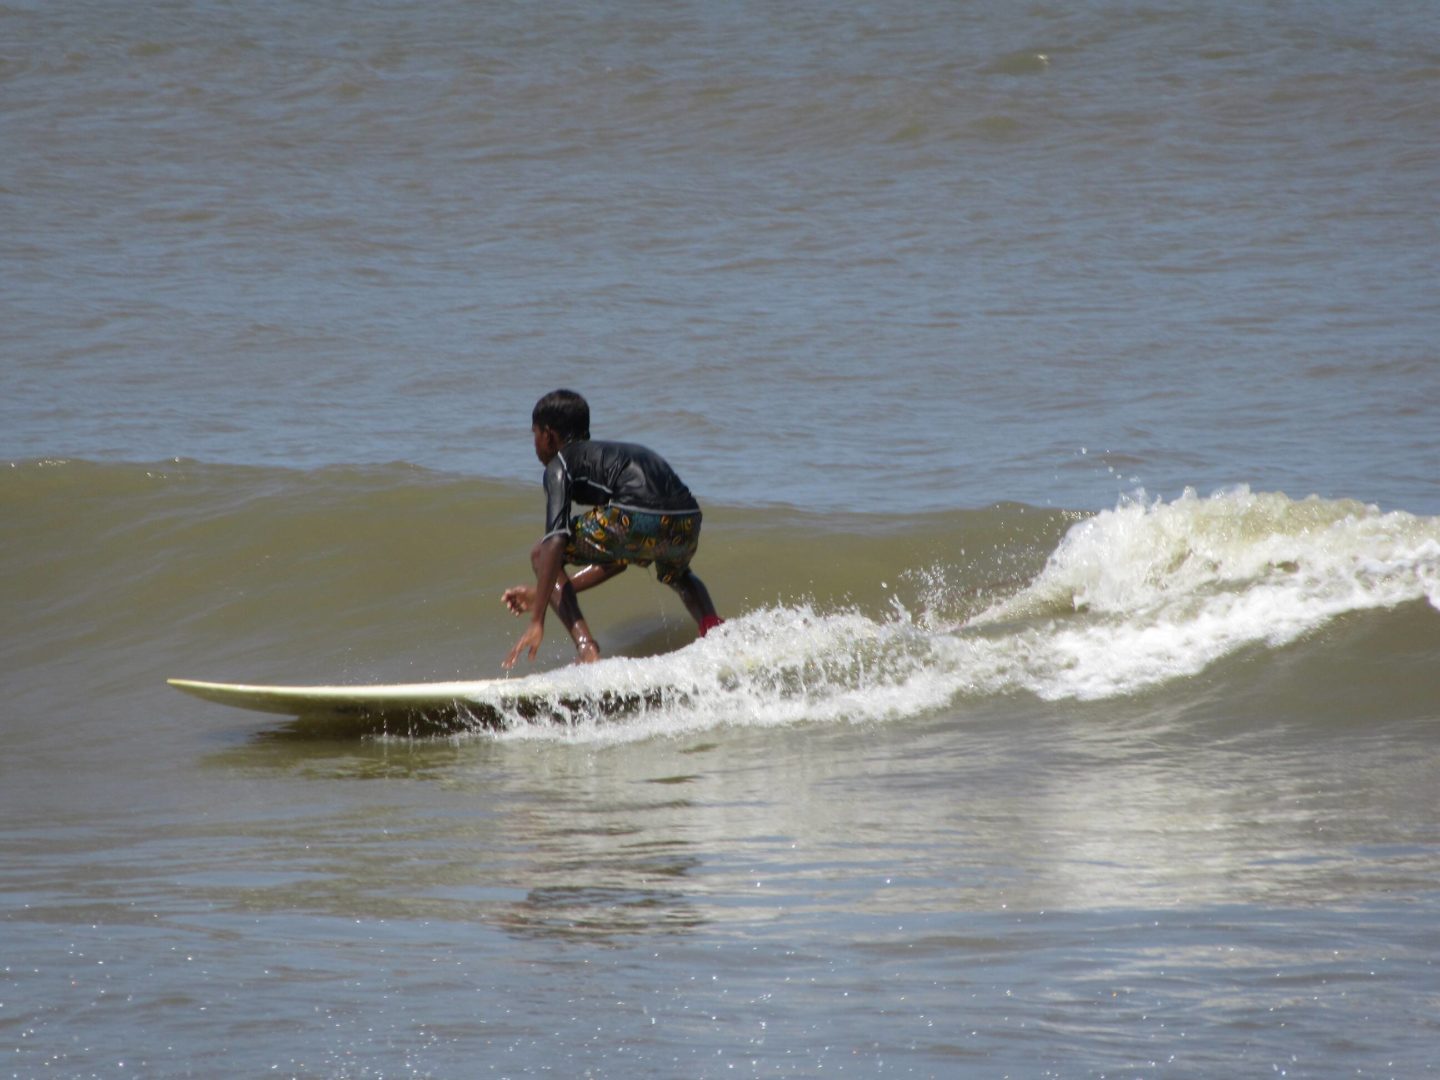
(491, 703)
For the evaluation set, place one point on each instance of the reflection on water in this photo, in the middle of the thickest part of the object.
(455, 836)
(1111, 806)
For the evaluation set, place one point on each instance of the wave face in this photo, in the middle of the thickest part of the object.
(392, 574)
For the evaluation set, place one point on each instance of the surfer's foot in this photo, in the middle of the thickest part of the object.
(708, 623)
(586, 651)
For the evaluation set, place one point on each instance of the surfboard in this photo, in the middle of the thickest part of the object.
(445, 706)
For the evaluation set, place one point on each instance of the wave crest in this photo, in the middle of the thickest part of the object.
(1149, 592)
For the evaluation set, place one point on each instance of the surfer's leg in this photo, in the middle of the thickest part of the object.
(697, 601)
(587, 577)
(562, 599)
(585, 549)
(566, 605)
(679, 535)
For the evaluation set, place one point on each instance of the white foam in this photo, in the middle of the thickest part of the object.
(1130, 599)
(1146, 593)
(776, 666)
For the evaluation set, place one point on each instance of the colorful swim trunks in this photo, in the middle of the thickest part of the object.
(609, 534)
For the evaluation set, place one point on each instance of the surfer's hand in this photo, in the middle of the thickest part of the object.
(519, 599)
(531, 638)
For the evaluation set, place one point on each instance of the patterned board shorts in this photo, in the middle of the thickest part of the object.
(608, 534)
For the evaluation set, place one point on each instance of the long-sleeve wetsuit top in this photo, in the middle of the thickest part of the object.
(597, 473)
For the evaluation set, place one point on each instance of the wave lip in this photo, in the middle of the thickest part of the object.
(1150, 592)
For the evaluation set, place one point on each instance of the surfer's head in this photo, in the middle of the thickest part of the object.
(565, 413)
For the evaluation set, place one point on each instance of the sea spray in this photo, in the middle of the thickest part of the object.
(774, 666)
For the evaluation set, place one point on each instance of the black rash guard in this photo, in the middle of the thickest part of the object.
(598, 473)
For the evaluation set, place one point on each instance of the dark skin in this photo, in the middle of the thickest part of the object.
(547, 558)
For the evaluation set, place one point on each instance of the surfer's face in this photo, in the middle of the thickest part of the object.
(547, 443)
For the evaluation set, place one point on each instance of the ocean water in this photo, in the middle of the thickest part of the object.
(1059, 381)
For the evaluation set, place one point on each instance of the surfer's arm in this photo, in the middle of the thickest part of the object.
(548, 559)
(549, 563)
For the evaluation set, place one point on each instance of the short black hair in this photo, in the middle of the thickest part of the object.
(564, 412)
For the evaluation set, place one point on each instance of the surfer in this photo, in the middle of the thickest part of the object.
(641, 514)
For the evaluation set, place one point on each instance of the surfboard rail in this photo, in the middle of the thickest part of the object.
(441, 706)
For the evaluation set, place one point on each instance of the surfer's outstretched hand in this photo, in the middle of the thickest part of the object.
(530, 639)
(519, 599)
